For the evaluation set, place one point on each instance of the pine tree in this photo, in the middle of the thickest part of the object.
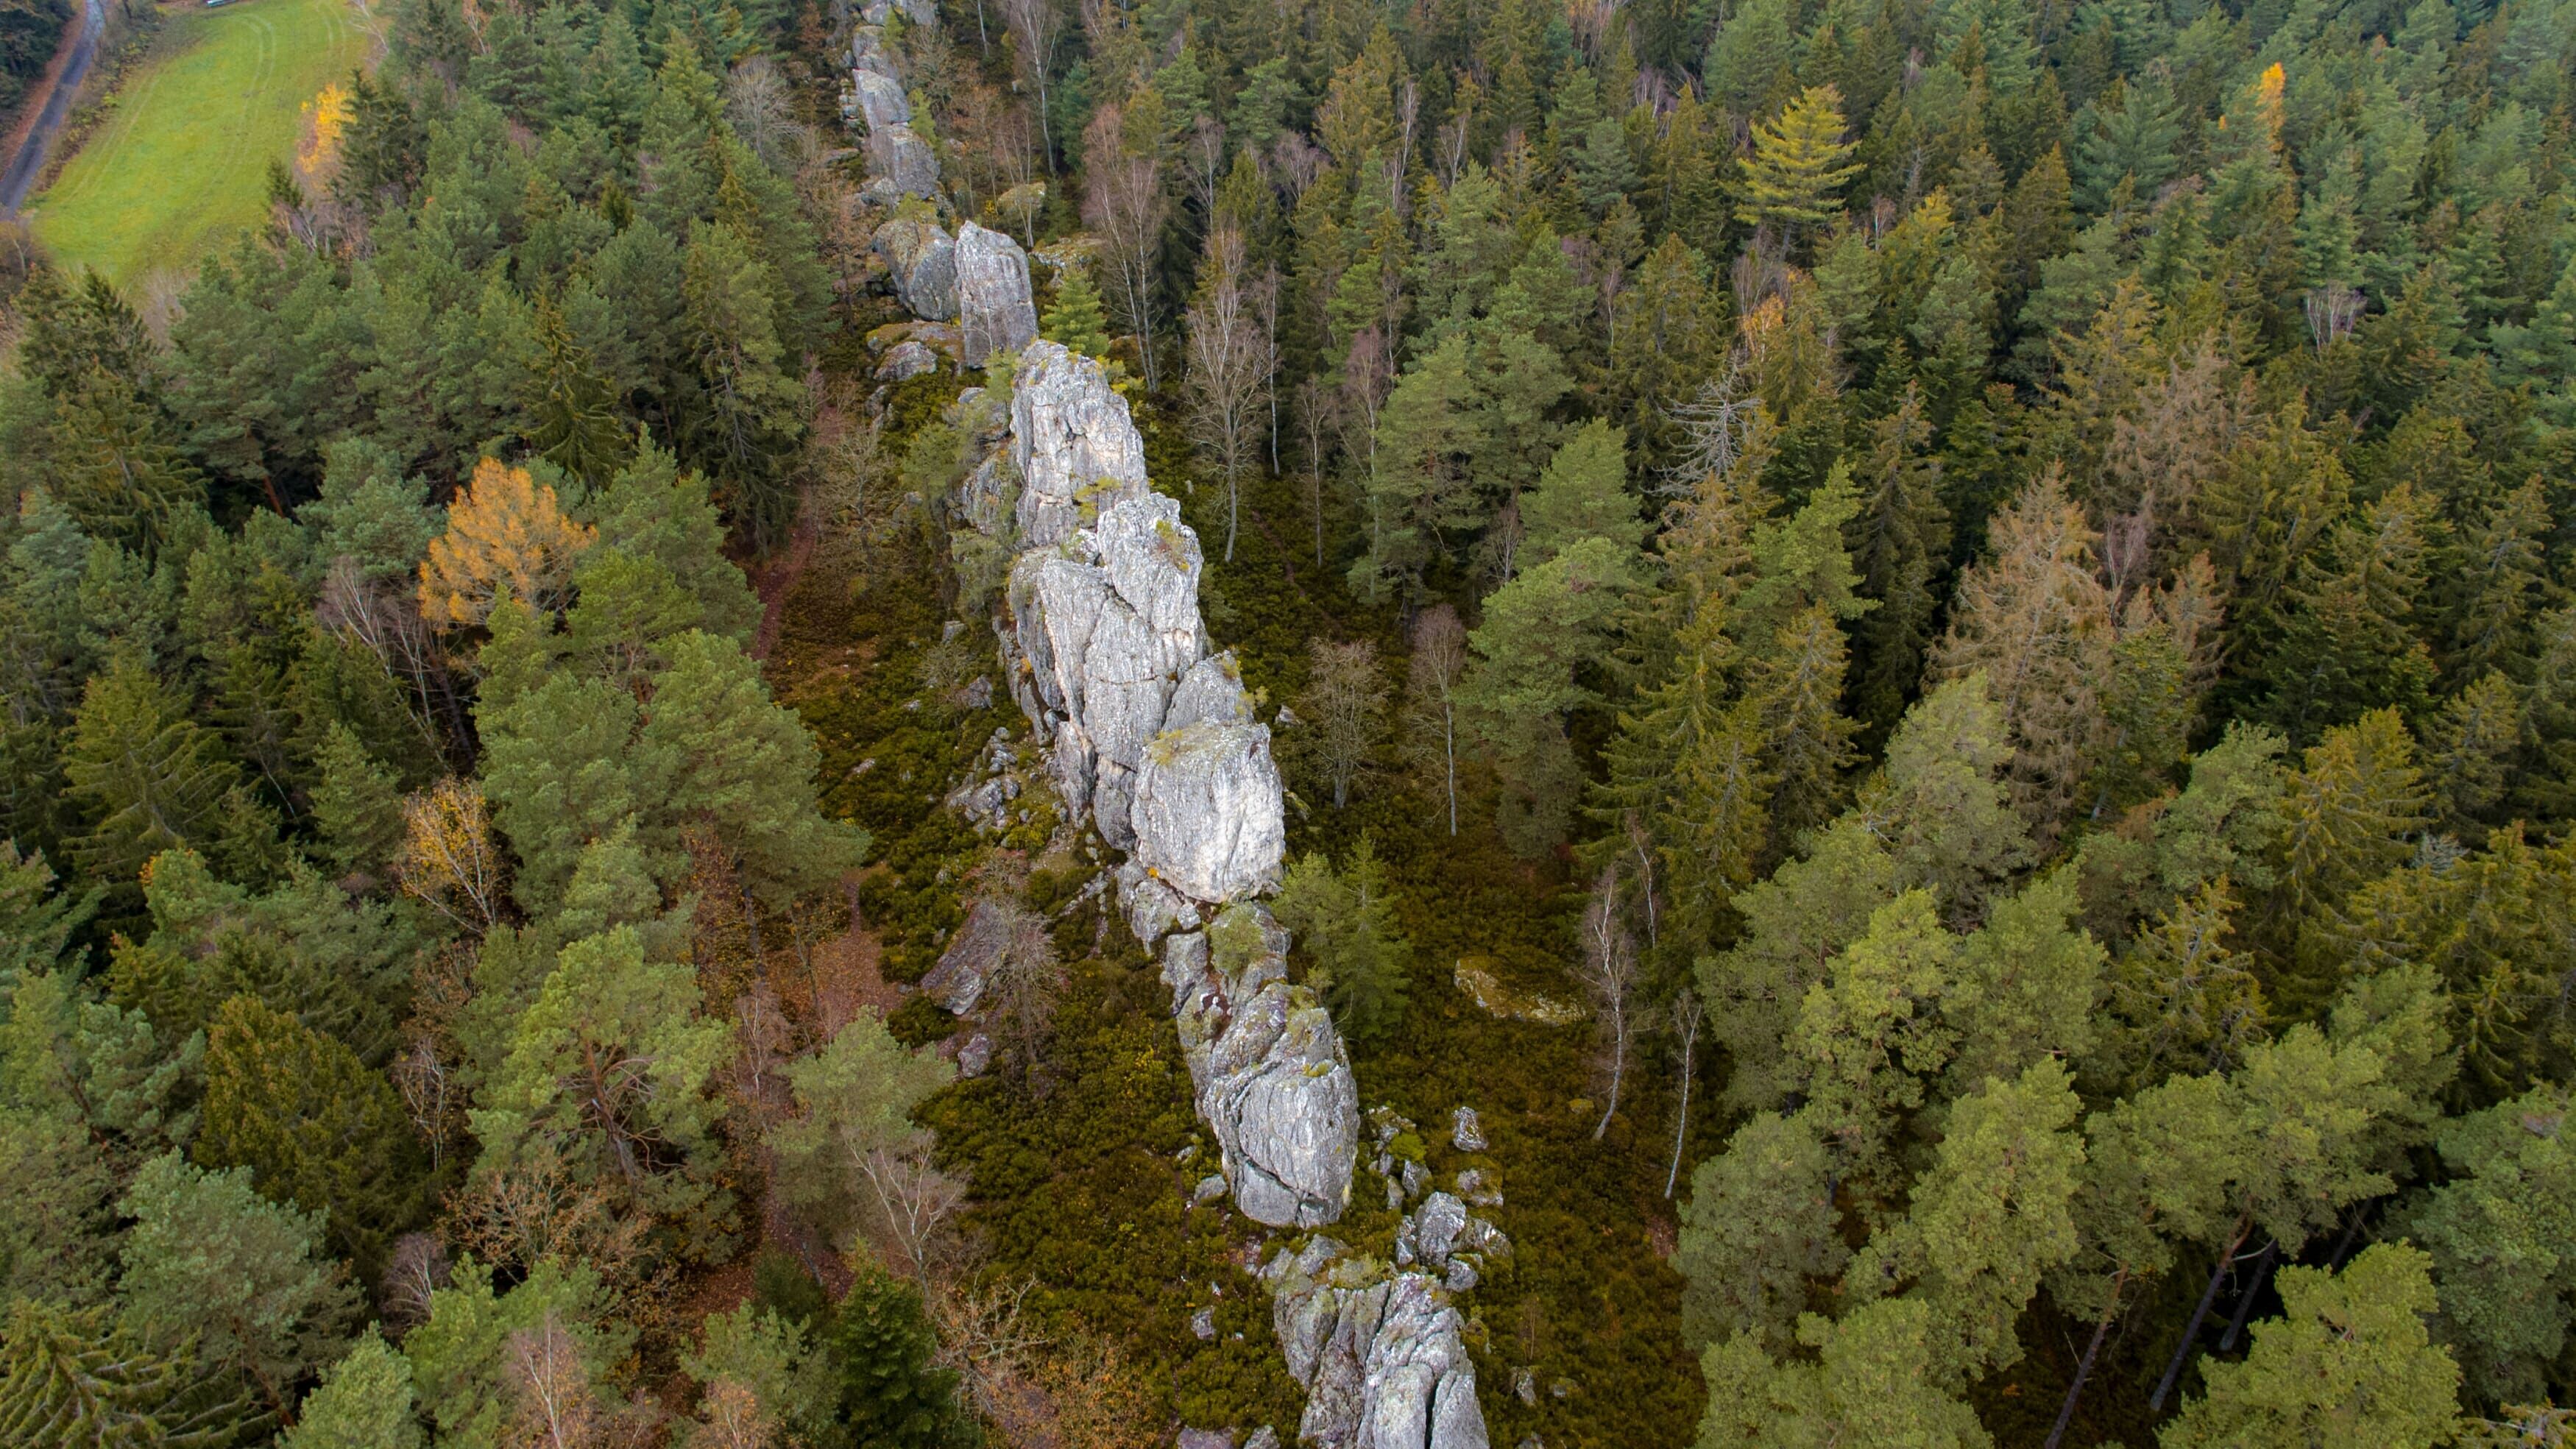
(1871, 1383)
(610, 1064)
(1986, 1221)
(212, 1263)
(747, 766)
(1760, 1229)
(363, 1402)
(315, 1127)
(1583, 493)
(2348, 1362)
(856, 1098)
(1799, 165)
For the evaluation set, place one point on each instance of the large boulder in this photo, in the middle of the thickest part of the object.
(993, 303)
(1207, 812)
(898, 155)
(957, 982)
(881, 100)
(1073, 441)
(924, 262)
(1273, 1082)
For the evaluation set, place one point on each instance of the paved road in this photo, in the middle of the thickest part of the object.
(30, 160)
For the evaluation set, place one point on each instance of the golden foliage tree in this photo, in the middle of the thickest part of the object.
(504, 531)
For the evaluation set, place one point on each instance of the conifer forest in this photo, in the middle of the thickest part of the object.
(1362, 724)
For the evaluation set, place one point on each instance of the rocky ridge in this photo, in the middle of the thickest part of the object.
(1152, 736)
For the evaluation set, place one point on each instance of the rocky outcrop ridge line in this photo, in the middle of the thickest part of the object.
(1154, 738)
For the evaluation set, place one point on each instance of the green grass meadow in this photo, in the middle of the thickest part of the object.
(182, 159)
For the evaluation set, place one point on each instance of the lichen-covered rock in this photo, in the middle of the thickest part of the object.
(1381, 1357)
(924, 262)
(868, 52)
(1151, 908)
(1466, 1130)
(1435, 1227)
(1073, 442)
(1207, 814)
(882, 102)
(1152, 559)
(993, 303)
(957, 982)
(1288, 1114)
(1056, 602)
(1211, 693)
(898, 154)
(909, 358)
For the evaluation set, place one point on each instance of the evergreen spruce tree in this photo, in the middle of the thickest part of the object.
(315, 1127)
(1800, 163)
(890, 1393)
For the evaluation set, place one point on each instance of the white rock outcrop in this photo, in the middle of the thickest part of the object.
(882, 103)
(923, 260)
(1073, 442)
(1141, 727)
(1380, 1355)
(1273, 1081)
(994, 309)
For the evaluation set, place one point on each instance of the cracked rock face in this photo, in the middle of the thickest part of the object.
(1274, 1084)
(1073, 442)
(994, 309)
(1381, 1357)
(881, 99)
(899, 155)
(1208, 814)
(868, 53)
(924, 262)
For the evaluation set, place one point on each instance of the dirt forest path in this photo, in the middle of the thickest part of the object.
(63, 83)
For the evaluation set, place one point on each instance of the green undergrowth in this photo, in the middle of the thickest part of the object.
(1080, 1187)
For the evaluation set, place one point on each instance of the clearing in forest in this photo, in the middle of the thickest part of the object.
(182, 161)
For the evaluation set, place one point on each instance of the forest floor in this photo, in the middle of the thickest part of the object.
(183, 156)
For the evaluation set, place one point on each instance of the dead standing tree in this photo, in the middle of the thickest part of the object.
(1608, 972)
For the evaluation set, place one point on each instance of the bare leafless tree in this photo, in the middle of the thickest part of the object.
(557, 1404)
(986, 1338)
(914, 1201)
(1608, 972)
(1125, 202)
(1318, 417)
(1344, 708)
(1020, 991)
(1228, 364)
(1439, 662)
(415, 1269)
(429, 1094)
(1688, 1013)
(1036, 28)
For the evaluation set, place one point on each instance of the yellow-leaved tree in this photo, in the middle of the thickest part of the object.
(504, 530)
